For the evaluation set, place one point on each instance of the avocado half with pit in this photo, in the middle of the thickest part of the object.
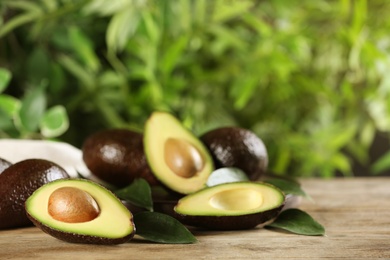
(231, 206)
(178, 159)
(80, 211)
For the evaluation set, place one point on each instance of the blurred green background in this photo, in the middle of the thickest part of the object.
(310, 78)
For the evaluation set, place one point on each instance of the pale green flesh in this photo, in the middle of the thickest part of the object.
(114, 220)
(158, 129)
(231, 199)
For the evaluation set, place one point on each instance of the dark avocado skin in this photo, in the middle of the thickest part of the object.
(237, 147)
(126, 161)
(241, 222)
(18, 182)
(4, 164)
(79, 238)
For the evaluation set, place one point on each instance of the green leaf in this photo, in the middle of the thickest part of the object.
(298, 222)
(173, 53)
(18, 20)
(161, 228)
(5, 78)
(138, 193)
(226, 10)
(84, 48)
(32, 109)
(77, 70)
(9, 105)
(38, 65)
(55, 122)
(121, 27)
(382, 164)
(288, 186)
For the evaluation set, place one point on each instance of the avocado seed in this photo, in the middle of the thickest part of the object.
(72, 205)
(182, 157)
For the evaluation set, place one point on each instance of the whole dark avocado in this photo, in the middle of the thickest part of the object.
(233, 146)
(18, 182)
(117, 156)
(4, 164)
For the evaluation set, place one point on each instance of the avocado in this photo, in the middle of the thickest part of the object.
(80, 211)
(18, 182)
(233, 146)
(231, 206)
(117, 157)
(176, 156)
(4, 164)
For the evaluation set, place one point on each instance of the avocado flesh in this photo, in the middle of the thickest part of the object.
(177, 158)
(231, 206)
(114, 224)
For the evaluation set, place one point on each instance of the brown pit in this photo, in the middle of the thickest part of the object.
(182, 157)
(72, 205)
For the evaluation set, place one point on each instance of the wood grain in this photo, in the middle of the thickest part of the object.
(355, 213)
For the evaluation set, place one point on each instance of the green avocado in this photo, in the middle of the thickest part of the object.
(178, 159)
(231, 206)
(92, 215)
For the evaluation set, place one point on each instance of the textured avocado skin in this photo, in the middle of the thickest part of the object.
(125, 161)
(18, 182)
(4, 164)
(241, 222)
(237, 147)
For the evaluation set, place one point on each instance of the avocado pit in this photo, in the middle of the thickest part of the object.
(182, 157)
(72, 205)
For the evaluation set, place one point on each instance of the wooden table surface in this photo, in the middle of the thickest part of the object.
(355, 213)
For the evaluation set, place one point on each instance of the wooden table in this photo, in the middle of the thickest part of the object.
(355, 213)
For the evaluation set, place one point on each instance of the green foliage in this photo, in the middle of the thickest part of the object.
(310, 79)
(29, 116)
(298, 222)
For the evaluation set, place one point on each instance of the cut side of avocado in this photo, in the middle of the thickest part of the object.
(231, 206)
(113, 224)
(178, 159)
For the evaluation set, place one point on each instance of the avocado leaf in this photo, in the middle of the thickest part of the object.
(138, 192)
(288, 186)
(162, 228)
(298, 222)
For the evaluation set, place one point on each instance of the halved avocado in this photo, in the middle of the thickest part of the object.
(231, 206)
(92, 214)
(176, 156)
